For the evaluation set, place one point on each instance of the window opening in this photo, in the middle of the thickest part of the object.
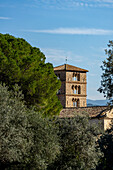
(74, 78)
(76, 102)
(78, 77)
(79, 90)
(58, 76)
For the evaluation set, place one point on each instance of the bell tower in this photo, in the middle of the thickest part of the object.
(73, 91)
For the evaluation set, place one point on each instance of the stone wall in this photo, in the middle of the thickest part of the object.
(69, 102)
(107, 122)
(69, 83)
(69, 76)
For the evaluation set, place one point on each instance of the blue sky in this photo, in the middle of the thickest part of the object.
(77, 29)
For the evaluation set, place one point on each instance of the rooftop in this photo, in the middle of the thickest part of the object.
(69, 68)
(93, 112)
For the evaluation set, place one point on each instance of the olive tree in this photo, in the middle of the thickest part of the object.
(27, 139)
(79, 149)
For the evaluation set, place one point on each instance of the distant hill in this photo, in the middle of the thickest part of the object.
(96, 102)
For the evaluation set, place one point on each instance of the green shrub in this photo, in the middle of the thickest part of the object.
(78, 143)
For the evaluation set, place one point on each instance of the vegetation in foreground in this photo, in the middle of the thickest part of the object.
(31, 140)
(79, 149)
(27, 140)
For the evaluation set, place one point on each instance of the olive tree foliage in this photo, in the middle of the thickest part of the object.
(22, 64)
(46, 146)
(107, 76)
(79, 150)
(27, 140)
(15, 140)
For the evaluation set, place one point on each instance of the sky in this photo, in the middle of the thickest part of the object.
(78, 30)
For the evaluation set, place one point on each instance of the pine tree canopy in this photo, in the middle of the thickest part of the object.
(22, 64)
(107, 76)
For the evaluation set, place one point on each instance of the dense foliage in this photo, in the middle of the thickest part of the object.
(78, 143)
(30, 141)
(107, 76)
(14, 137)
(106, 146)
(106, 140)
(25, 65)
(27, 140)
(46, 145)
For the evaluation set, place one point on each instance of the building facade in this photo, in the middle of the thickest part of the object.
(73, 91)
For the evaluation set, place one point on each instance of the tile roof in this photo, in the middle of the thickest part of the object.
(69, 68)
(93, 112)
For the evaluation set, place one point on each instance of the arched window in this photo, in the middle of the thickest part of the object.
(74, 78)
(78, 77)
(75, 102)
(78, 103)
(79, 90)
(75, 90)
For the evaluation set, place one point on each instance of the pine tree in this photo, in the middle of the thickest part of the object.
(22, 64)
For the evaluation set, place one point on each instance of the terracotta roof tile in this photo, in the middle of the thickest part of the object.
(69, 68)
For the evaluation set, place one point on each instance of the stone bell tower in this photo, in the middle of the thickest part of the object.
(73, 85)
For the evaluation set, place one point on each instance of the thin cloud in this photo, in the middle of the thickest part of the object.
(106, 1)
(5, 18)
(74, 31)
(57, 56)
(73, 4)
